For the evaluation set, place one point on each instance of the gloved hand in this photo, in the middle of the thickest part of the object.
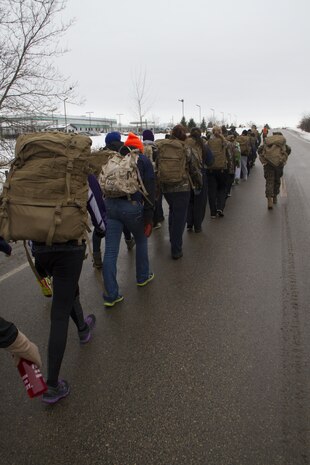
(23, 348)
(148, 229)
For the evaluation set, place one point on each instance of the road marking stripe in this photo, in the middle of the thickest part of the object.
(283, 191)
(16, 270)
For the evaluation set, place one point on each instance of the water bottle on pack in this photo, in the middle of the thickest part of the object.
(32, 377)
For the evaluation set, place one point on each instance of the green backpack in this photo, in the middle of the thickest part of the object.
(45, 195)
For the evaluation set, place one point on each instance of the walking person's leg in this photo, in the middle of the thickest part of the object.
(212, 188)
(65, 267)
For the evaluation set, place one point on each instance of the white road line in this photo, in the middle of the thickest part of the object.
(283, 191)
(16, 270)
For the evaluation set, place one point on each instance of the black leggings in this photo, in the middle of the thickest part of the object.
(65, 265)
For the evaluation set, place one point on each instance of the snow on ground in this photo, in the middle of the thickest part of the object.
(303, 134)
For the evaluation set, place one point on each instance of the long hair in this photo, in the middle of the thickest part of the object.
(179, 132)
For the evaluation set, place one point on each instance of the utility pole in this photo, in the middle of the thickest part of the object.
(89, 114)
(119, 120)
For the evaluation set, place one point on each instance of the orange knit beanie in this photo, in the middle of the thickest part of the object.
(134, 141)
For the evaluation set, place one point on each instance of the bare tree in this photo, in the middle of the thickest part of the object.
(140, 95)
(30, 39)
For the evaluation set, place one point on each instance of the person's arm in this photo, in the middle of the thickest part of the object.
(5, 247)
(148, 178)
(96, 206)
(15, 342)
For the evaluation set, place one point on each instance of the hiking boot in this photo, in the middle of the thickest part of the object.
(275, 200)
(130, 243)
(46, 286)
(144, 283)
(111, 303)
(54, 394)
(157, 226)
(97, 260)
(270, 203)
(86, 334)
(220, 213)
(177, 255)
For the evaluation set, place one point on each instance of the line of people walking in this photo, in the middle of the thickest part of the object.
(125, 198)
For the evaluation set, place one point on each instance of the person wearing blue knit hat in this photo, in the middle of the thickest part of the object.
(113, 141)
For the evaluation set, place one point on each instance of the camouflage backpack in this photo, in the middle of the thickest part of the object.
(120, 176)
(45, 195)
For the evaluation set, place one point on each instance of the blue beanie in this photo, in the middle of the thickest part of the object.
(148, 135)
(112, 137)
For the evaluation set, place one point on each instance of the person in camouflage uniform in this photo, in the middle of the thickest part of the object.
(273, 164)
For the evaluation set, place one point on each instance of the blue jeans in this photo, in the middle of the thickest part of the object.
(122, 212)
(178, 204)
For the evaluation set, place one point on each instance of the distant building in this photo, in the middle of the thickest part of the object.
(14, 125)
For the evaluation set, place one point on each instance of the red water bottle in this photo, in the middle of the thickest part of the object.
(32, 377)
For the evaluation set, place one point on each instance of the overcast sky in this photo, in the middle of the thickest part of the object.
(249, 59)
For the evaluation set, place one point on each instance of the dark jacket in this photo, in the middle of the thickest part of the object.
(8, 333)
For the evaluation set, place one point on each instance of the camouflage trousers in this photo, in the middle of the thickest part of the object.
(273, 176)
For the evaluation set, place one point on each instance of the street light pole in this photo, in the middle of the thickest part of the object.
(119, 120)
(213, 117)
(199, 113)
(65, 111)
(182, 101)
(223, 119)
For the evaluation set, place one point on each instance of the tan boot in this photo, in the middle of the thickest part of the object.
(270, 203)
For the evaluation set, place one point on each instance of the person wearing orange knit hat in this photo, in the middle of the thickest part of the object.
(136, 214)
(134, 142)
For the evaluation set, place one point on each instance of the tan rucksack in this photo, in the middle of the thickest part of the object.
(244, 142)
(45, 195)
(274, 150)
(171, 161)
(218, 148)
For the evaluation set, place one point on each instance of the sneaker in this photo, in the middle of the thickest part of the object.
(144, 283)
(157, 226)
(198, 230)
(220, 213)
(86, 334)
(213, 217)
(111, 303)
(130, 243)
(189, 228)
(46, 286)
(54, 394)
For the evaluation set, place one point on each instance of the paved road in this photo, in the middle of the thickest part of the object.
(208, 365)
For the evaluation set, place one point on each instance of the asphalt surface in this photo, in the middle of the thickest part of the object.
(207, 365)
